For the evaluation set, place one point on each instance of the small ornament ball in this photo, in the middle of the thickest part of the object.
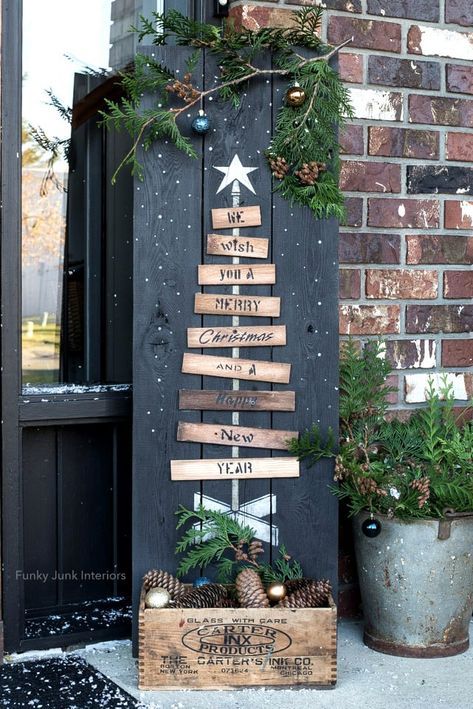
(295, 96)
(276, 591)
(201, 123)
(157, 598)
(201, 581)
(371, 527)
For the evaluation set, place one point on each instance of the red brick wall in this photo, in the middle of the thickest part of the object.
(406, 253)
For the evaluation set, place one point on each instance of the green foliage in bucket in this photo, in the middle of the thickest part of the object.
(419, 468)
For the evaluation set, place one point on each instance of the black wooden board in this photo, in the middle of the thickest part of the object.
(172, 220)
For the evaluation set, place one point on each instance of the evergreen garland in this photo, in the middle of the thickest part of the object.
(420, 468)
(305, 139)
(217, 538)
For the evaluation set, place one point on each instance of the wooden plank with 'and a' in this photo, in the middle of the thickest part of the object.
(242, 246)
(235, 368)
(236, 400)
(231, 217)
(250, 306)
(234, 468)
(240, 274)
(229, 435)
(251, 336)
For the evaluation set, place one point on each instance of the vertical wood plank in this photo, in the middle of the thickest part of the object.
(168, 237)
(239, 132)
(306, 257)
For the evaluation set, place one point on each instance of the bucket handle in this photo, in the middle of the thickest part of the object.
(445, 525)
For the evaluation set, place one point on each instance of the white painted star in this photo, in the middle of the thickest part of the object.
(236, 171)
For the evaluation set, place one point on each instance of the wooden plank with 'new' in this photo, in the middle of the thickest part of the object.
(251, 336)
(251, 306)
(235, 368)
(234, 468)
(231, 217)
(236, 400)
(241, 274)
(229, 435)
(242, 246)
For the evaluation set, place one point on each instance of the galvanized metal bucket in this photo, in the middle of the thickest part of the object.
(416, 581)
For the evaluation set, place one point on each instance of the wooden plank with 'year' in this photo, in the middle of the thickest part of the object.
(234, 468)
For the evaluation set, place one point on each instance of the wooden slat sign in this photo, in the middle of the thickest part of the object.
(229, 435)
(251, 336)
(215, 275)
(251, 306)
(236, 400)
(239, 468)
(231, 217)
(234, 368)
(246, 247)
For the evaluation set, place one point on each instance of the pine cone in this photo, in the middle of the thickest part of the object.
(308, 173)
(250, 590)
(293, 585)
(157, 577)
(208, 596)
(255, 548)
(279, 167)
(422, 485)
(313, 595)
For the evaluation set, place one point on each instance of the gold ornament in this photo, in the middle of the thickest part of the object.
(157, 598)
(295, 96)
(276, 591)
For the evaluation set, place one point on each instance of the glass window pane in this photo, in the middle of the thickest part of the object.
(76, 227)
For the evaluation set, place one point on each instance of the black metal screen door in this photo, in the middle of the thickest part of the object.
(66, 412)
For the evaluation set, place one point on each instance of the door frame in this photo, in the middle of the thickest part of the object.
(19, 411)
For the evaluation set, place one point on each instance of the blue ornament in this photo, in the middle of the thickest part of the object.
(371, 527)
(201, 581)
(201, 123)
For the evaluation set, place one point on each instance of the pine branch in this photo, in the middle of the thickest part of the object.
(301, 136)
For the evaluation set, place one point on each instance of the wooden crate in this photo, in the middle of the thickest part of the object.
(214, 648)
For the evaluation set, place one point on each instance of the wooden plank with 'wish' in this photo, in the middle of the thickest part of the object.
(239, 468)
(233, 368)
(242, 246)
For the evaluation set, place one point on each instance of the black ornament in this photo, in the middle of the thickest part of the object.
(371, 527)
(201, 123)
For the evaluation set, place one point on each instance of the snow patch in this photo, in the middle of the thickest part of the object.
(416, 386)
(446, 43)
(374, 104)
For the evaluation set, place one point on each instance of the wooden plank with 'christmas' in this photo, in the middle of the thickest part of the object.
(250, 306)
(251, 336)
(234, 468)
(231, 217)
(236, 400)
(234, 368)
(229, 435)
(241, 274)
(242, 246)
